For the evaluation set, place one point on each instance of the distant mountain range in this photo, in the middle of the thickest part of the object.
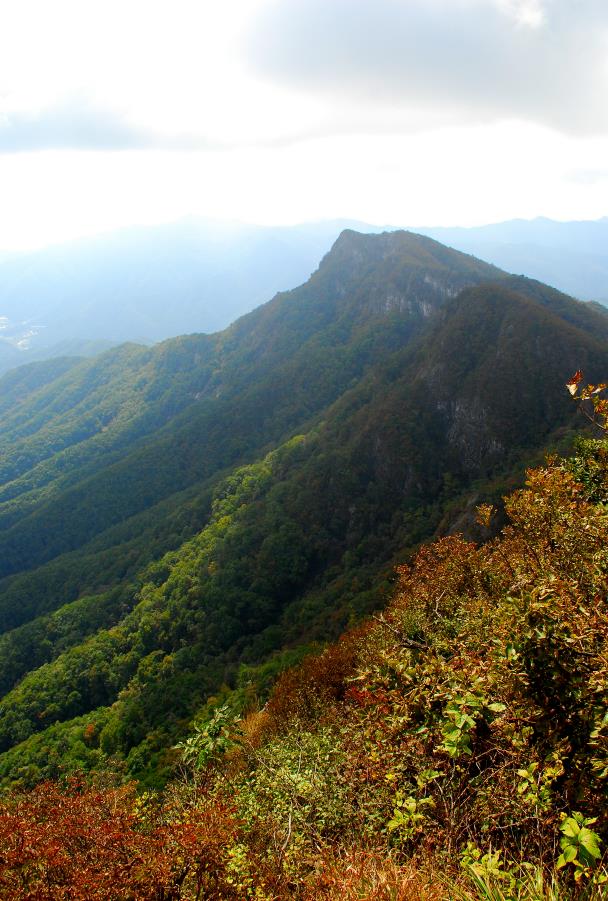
(148, 284)
(571, 256)
(173, 516)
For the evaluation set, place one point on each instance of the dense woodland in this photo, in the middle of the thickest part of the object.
(180, 525)
(453, 745)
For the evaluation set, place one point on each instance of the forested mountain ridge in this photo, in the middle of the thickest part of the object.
(146, 284)
(236, 391)
(571, 255)
(150, 283)
(407, 370)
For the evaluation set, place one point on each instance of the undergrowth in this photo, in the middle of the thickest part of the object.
(455, 746)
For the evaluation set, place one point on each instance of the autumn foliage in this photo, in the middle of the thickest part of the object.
(92, 844)
(455, 745)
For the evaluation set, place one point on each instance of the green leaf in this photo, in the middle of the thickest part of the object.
(569, 854)
(570, 828)
(590, 842)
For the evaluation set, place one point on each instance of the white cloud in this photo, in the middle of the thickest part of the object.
(463, 61)
(451, 176)
(147, 72)
(244, 72)
(391, 111)
(531, 13)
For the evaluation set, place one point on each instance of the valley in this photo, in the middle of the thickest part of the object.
(171, 516)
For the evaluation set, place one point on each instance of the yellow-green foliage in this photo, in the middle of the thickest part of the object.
(467, 725)
(455, 746)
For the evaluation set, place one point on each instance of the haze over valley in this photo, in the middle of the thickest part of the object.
(303, 450)
(148, 284)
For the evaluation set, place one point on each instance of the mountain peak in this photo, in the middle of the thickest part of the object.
(375, 274)
(407, 248)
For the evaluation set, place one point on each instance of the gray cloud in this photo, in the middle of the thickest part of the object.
(77, 124)
(458, 61)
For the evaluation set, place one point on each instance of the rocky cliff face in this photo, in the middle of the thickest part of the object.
(397, 272)
(470, 433)
(494, 363)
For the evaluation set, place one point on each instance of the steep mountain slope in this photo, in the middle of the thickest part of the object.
(573, 256)
(455, 745)
(149, 284)
(13, 355)
(79, 443)
(409, 371)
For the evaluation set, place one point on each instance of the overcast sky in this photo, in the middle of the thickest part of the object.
(408, 112)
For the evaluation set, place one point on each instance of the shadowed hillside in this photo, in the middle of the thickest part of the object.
(173, 514)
